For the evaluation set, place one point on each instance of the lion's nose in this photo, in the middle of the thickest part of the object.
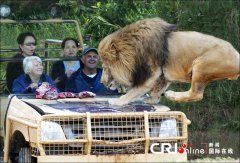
(110, 85)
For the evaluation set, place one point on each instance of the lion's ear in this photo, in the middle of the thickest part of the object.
(110, 54)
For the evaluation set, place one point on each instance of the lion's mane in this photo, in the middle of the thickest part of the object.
(136, 49)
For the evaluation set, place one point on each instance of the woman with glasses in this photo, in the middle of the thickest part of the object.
(27, 45)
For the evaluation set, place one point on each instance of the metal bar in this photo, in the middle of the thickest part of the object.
(39, 138)
(64, 141)
(146, 128)
(185, 129)
(46, 55)
(38, 49)
(120, 142)
(42, 58)
(89, 134)
(79, 35)
(174, 114)
(8, 21)
(7, 140)
(22, 121)
(169, 138)
(53, 41)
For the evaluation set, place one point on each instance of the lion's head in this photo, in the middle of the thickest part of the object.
(131, 54)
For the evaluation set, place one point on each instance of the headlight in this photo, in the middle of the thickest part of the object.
(168, 128)
(164, 128)
(51, 131)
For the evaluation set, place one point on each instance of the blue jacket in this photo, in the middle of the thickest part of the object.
(23, 81)
(15, 69)
(77, 83)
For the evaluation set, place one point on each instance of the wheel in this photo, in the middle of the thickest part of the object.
(24, 155)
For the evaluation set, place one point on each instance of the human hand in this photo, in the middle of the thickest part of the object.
(69, 73)
(57, 80)
(33, 85)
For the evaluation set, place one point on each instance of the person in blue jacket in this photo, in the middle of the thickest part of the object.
(32, 78)
(88, 78)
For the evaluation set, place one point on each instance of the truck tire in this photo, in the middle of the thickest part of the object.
(24, 155)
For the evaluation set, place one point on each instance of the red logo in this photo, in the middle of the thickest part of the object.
(183, 148)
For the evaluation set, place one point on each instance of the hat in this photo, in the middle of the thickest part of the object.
(88, 49)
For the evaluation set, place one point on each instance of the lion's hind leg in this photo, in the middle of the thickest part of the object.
(194, 94)
(205, 69)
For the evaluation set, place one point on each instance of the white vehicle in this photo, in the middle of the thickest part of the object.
(90, 130)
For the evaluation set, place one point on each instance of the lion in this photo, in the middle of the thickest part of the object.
(148, 55)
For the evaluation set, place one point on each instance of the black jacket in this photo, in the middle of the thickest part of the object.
(58, 70)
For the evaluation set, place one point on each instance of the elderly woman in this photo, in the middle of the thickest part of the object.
(27, 45)
(62, 70)
(32, 78)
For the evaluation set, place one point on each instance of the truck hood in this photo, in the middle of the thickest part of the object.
(76, 105)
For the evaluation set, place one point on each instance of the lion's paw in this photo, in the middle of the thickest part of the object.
(170, 95)
(116, 101)
(152, 100)
(183, 96)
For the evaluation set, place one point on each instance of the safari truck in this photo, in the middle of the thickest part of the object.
(88, 129)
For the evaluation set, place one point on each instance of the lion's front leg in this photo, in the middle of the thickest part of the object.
(159, 88)
(130, 96)
(136, 91)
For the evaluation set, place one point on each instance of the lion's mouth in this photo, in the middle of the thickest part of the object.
(113, 85)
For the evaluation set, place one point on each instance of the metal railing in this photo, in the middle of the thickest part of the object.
(111, 133)
(79, 35)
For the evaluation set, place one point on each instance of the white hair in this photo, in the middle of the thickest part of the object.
(28, 63)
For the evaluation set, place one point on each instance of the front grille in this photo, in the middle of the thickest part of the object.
(114, 133)
(109, 133)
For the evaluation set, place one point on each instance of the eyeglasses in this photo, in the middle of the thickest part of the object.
(31, 43)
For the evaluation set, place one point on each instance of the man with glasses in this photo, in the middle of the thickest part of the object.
(27, 45)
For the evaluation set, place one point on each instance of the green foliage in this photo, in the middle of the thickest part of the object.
(218, 18)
